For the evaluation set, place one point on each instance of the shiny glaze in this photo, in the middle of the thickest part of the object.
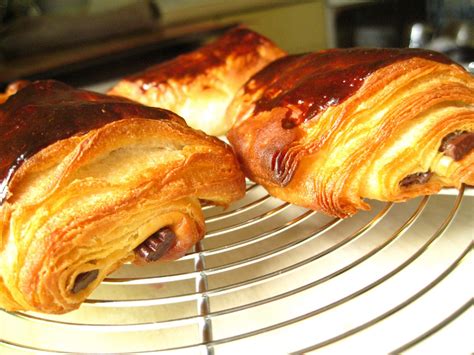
(235, 43)
(308, 84)
(45, 112)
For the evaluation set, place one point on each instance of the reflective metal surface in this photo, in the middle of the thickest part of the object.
(270, 277)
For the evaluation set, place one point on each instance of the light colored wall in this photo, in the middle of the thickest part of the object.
(296, 28)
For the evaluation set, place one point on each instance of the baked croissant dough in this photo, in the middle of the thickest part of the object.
(89, 182)
(328, 129)
(200, 85)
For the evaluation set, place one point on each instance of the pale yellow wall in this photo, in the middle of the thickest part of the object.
(296, 28)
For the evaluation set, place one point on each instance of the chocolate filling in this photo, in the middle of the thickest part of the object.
(447, 139)
(457, 144)
(417, 178)
(156, 245)
(84, 279)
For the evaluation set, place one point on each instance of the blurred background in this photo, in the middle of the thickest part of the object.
(94, 42)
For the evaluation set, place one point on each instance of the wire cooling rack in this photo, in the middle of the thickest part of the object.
(272, 278)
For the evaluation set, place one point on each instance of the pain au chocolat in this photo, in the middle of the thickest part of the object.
(89, 182)
(200, 85)
(327, 130)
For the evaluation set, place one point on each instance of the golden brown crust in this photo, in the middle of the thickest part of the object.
(327, 129)
(85, 202)
(199, 85)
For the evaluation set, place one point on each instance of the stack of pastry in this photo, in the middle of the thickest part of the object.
(89, 181)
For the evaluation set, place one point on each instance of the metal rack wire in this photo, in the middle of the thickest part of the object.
(270, 277)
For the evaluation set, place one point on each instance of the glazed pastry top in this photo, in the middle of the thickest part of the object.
(308, 84)
(45, 112)
(238, 42)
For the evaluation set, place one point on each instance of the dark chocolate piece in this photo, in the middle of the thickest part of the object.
(417, 178)
(84, 279)
(448, 138)
(459, 145)
(156, 245)
(45, 112)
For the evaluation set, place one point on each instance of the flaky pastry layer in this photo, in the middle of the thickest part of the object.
(199, 85)
(330, 129)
